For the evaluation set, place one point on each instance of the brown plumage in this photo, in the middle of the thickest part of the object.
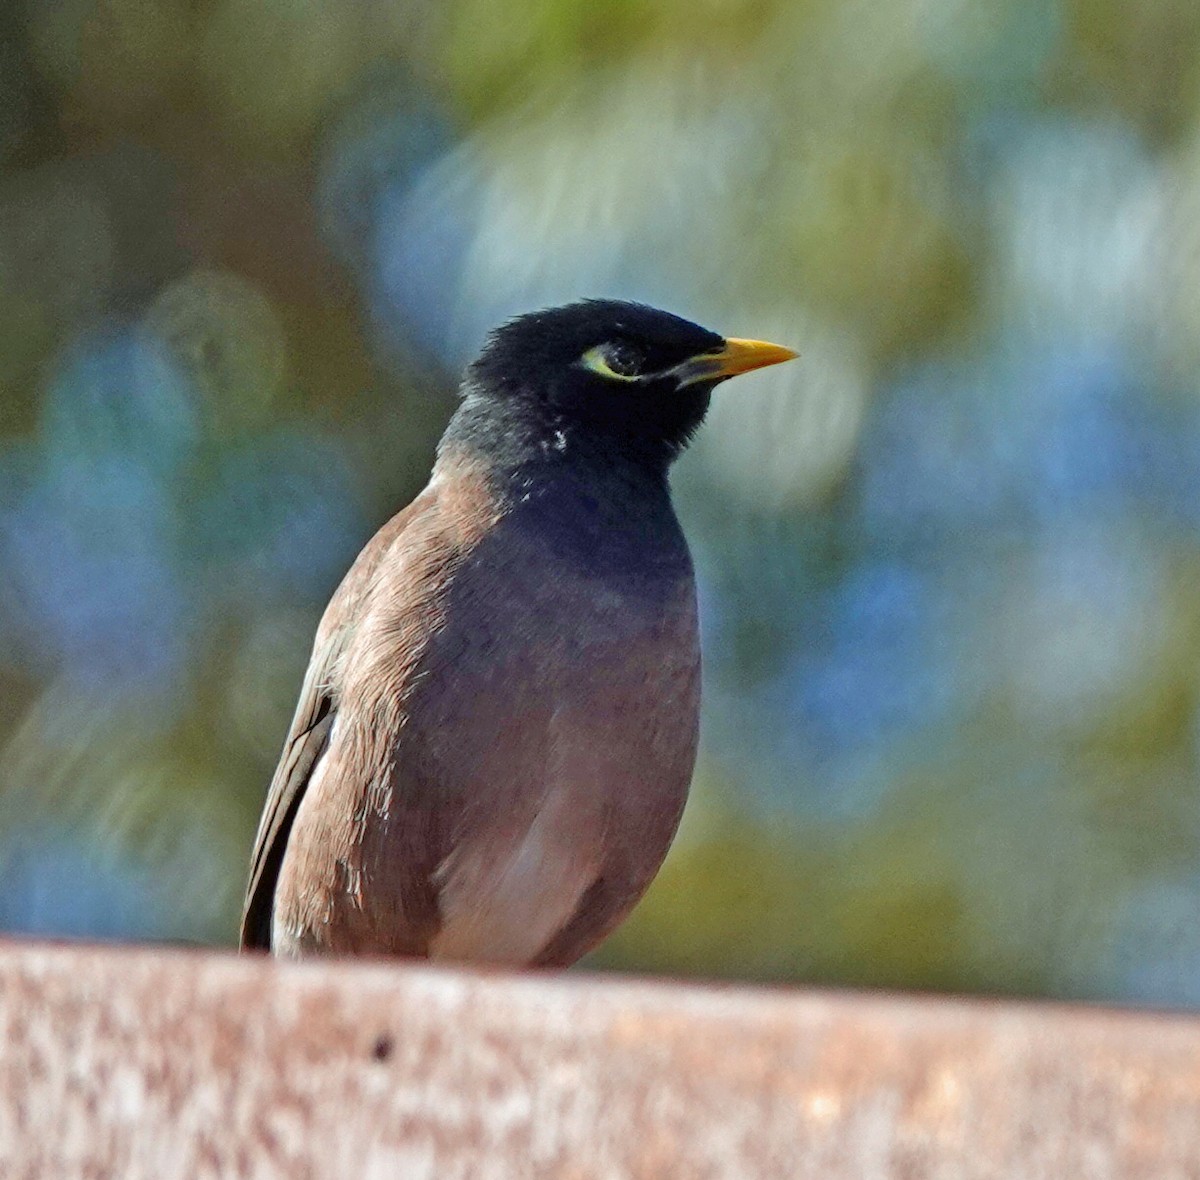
(497, 729)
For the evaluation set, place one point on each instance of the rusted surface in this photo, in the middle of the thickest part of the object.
(159, 1064)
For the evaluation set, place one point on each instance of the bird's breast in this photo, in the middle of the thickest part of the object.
(561, 731)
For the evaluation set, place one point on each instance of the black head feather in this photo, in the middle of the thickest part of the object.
(594, 377)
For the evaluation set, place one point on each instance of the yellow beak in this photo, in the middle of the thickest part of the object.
(738, 356)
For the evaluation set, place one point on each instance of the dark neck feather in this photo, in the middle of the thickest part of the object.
(516, 438)
(604, 506)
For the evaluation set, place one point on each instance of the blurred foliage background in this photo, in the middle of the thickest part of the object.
(948, 560)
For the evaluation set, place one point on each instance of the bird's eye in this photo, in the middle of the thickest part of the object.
(620, 362)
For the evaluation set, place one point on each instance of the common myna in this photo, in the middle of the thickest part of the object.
(498, 725)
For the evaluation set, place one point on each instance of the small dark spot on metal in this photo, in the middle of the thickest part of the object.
(382, 1049)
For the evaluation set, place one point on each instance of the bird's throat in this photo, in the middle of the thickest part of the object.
(599, 507)
(519, 441)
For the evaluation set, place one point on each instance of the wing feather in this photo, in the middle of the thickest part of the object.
(308, 737)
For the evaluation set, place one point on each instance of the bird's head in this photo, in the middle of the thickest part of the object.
(610, 373)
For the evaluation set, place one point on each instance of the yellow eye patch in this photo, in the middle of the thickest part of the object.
(601, 360)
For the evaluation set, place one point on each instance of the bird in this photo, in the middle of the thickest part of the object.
(497, 730)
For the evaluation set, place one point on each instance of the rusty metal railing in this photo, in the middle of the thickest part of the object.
(164, 1064)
